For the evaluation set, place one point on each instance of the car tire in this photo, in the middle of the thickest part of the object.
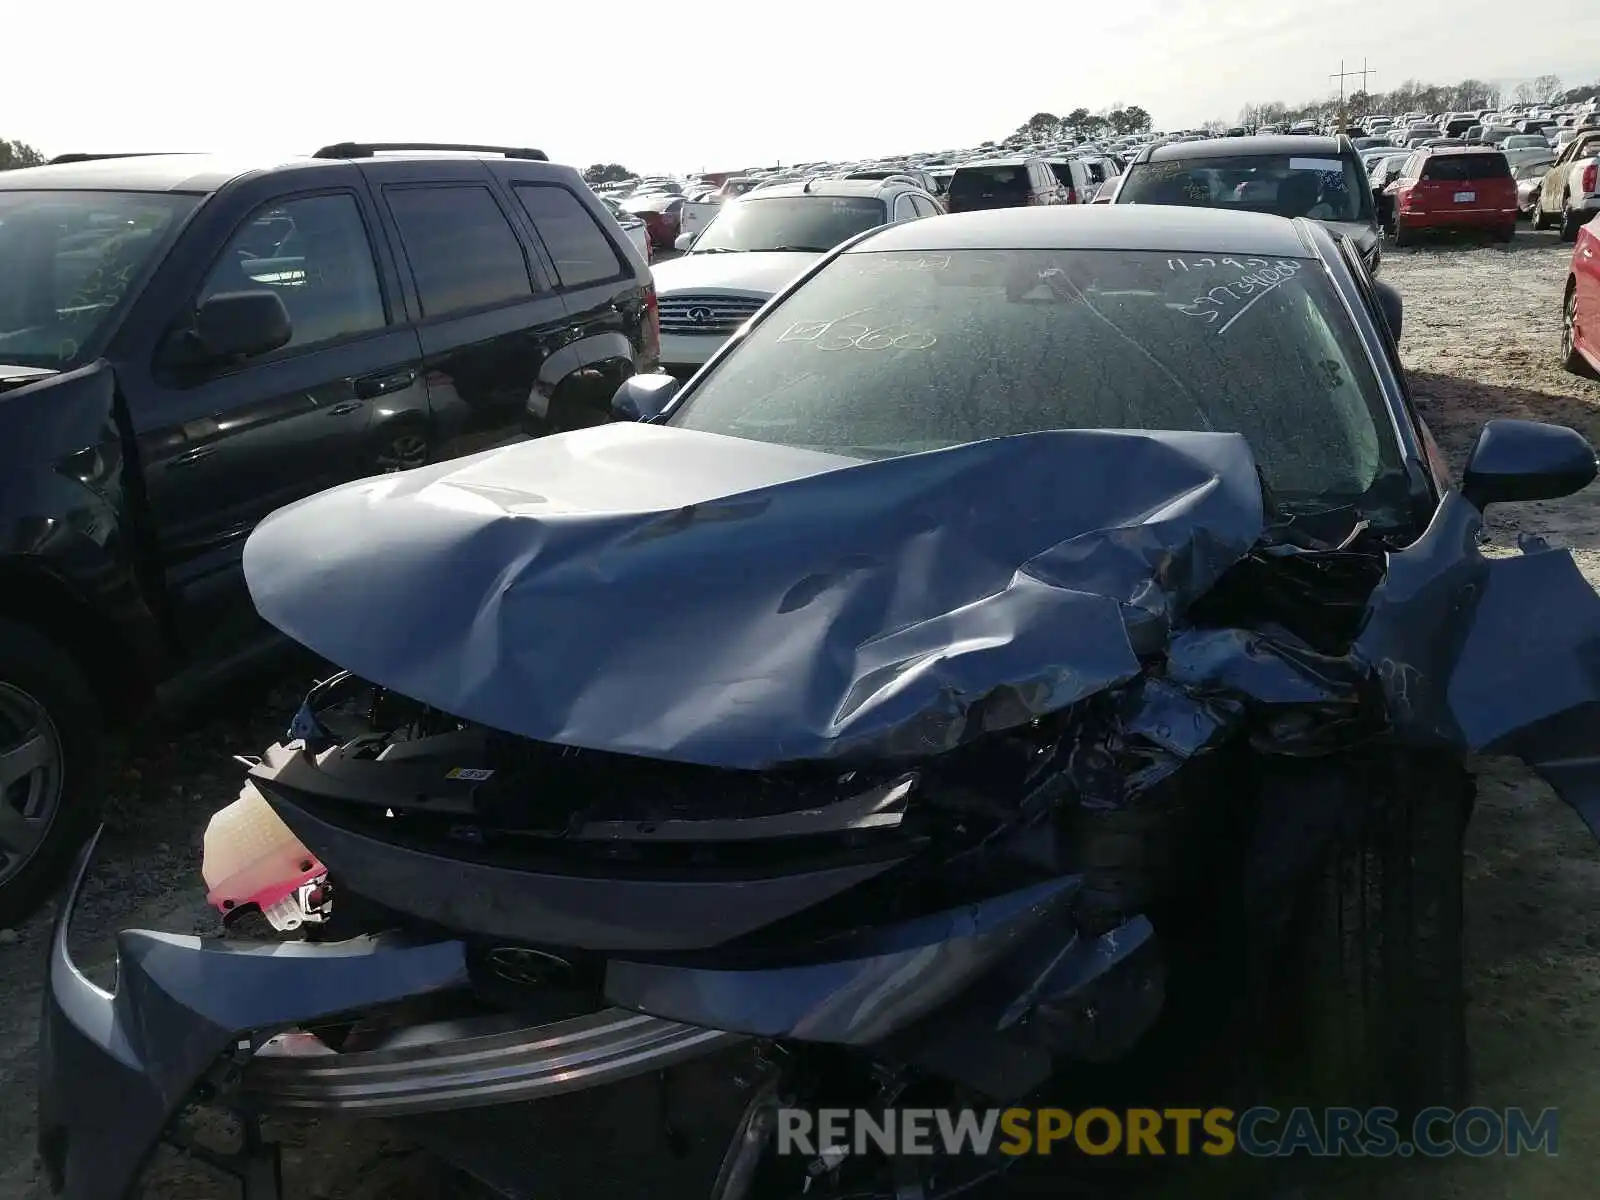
(1571, 222)
(1379, 958)
(1571, 360)
(403, 446)
(1541, 219)
(50, 811)
(1507, 235)
(1402, 235)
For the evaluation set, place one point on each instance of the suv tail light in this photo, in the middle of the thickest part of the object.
(1072, 195)
(1589, 177)
(652, 325)
(1405, 196)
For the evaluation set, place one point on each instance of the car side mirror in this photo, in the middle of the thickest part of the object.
(241, 324)
(1514, 459)
(682, 242)
(644, 397)
(1394, 308)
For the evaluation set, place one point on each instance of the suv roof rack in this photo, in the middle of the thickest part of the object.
(79, 157)
(368, 149)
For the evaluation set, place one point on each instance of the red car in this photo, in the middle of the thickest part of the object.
(1580, 323)
(660, 214)
(1455, 188)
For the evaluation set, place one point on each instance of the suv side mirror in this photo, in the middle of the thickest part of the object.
(240, 324)
(642, 397)
(1393, 306)
(1526, 460)
(682, 242)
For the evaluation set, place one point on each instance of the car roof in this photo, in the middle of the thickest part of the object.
(1460, 151)
(193, 173)
(1262, 143)
(203, 173)
(821, 186)
(1175, 228)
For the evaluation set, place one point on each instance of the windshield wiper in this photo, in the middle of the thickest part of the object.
(716, 250)
(795, 249)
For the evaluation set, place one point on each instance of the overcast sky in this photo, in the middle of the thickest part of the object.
(707, 84)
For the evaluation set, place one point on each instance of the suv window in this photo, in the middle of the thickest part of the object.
(1325, 186)
(1456, 167)
(315, 254)
(581, 251)
(463, 252)
(996, 186)
(903, 208)
(66, 262)
(924, 206)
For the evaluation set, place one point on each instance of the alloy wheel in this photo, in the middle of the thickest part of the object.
(31, 777)
(403, 452)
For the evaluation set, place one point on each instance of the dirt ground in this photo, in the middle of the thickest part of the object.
(1480, 341)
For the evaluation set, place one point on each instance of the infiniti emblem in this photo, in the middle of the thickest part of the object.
(700, 315)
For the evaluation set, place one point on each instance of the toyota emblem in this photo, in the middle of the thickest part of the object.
(700, 315)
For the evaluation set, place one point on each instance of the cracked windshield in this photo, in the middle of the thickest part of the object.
(895, 352)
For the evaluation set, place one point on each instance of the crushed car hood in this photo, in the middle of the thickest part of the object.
(701, 598)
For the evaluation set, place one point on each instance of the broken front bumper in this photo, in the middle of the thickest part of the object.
(115, 1069)
(954, 992)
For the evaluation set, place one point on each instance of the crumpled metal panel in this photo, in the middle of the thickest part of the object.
(702, 598)
(1499, 655)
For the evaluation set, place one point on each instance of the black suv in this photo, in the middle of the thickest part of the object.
(188, 343)
(1296, 175)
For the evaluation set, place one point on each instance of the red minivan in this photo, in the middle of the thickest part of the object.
(1451, 188)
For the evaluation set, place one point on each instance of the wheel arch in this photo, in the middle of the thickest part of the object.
(37, 598)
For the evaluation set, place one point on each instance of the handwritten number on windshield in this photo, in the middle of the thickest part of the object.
(1236, 297)
(842, 333)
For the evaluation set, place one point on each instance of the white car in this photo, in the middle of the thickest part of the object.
(1570, 194)
(756, 244)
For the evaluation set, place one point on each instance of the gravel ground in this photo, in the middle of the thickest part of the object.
(1480, 341)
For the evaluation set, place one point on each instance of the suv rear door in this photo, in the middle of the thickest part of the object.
(607, 296)
(487, 314)
(222, 445)
(1458, 183)
(989, 185)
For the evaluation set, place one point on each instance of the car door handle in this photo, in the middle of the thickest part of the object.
(369, 386)
(349, 406)
(193, 456)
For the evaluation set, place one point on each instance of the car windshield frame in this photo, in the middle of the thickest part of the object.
(1073, 296)
(1178, 180)
(785, 227)
(123, 233)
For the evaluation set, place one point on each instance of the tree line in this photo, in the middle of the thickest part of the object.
(1416, 96)
(1080, 123)
(18, 154)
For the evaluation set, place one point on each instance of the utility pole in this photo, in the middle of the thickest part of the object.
(1343, 75)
